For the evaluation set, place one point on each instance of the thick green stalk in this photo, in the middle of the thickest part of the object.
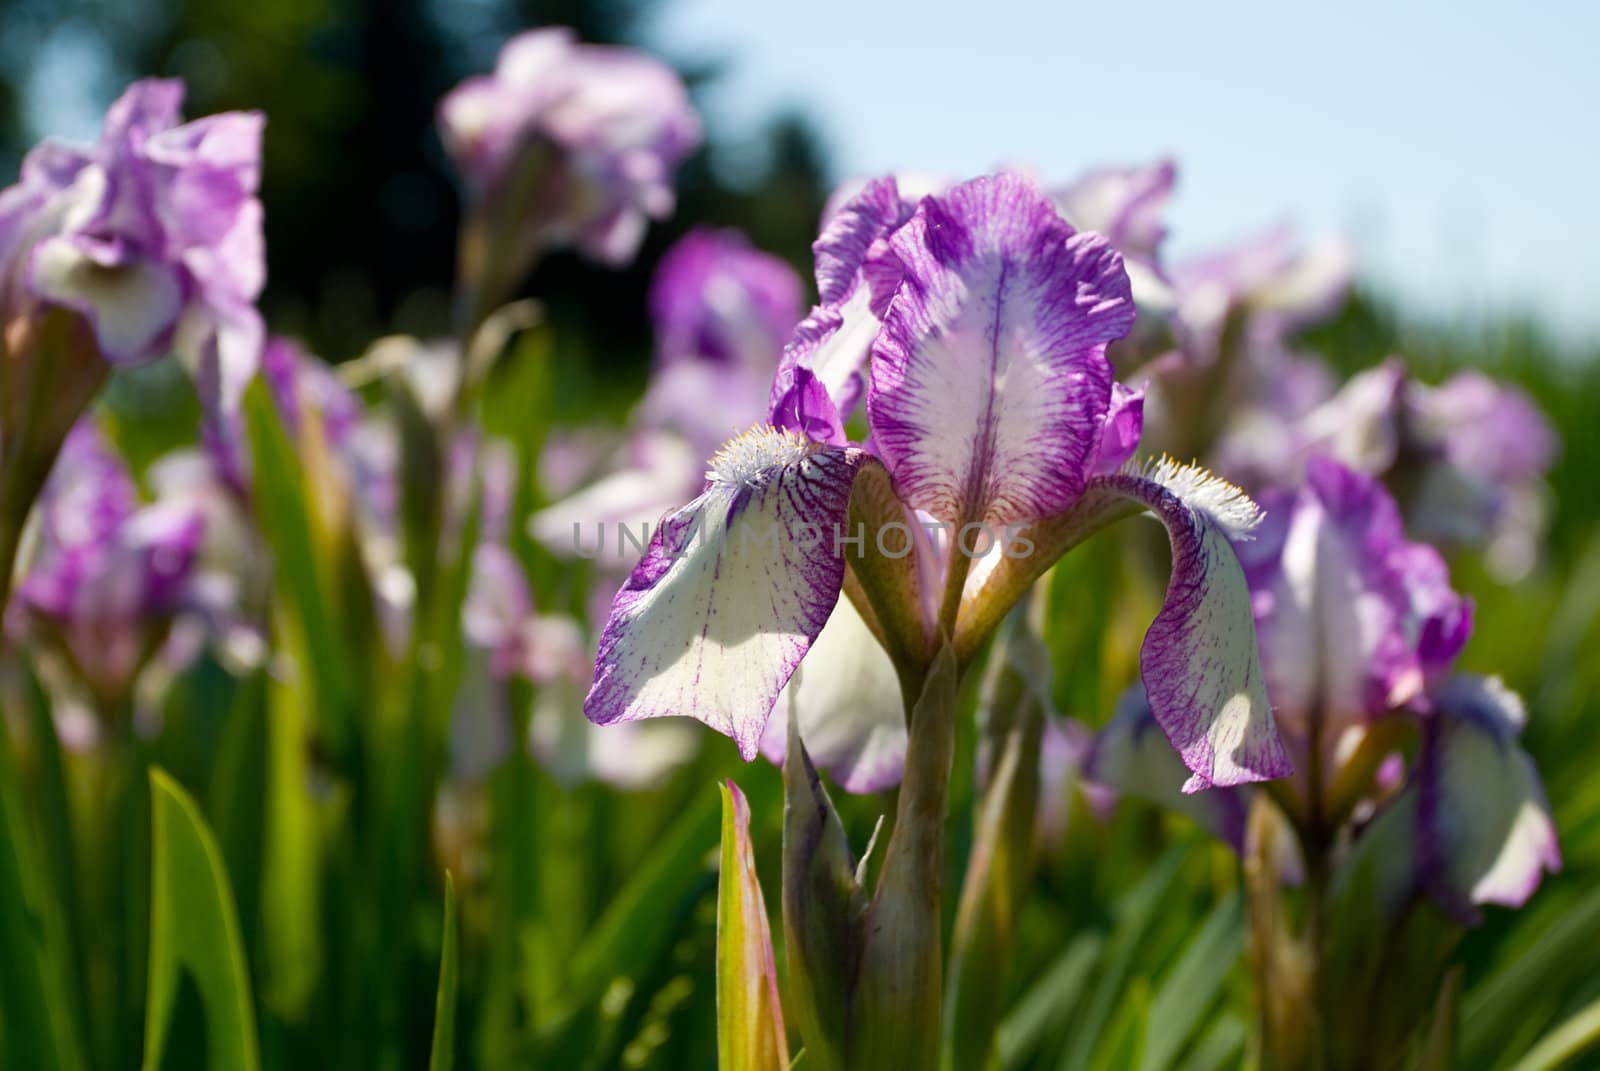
(900, 993)
(1002, 857)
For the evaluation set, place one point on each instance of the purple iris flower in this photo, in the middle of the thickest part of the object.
(578, 143)
(1359, 629)
(108, 574)
(975, 325)
(152, 236)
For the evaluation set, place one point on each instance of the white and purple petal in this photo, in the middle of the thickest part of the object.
(1485, 832)
(989, 383)
(732, 591)
(1202, 676)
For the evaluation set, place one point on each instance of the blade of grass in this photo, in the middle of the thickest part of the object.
(1497, 1007)
(193, 926)
(1136, 912)
(630, 934)
(1578, 1036)
(1051, 1002)
(33, 1006)
(442, 1057)
(1190, 988)
(1221, 1046)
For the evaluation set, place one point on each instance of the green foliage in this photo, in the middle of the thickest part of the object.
(443, 1056)
(195, 929)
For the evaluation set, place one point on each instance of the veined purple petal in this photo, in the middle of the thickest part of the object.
(854, 283)
(850, 233)
(1131, 756)
(1119, 434)
(1203, 682)
(847, 698)
(805, 407)
(732, 592)
(1485, 833)
(989, 383)
(1201, 673)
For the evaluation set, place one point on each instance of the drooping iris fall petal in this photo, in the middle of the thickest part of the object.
(1485, 834)
(1198, 661)
(732, 591)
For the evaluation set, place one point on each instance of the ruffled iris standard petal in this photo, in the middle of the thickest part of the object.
(1485, 833)
(989, 383)
(1199, 663)
(732, 591)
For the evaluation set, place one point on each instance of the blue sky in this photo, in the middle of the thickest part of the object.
(1456, 145)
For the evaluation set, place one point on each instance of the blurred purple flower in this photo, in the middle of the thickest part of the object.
(1278, 286)
(108, 575)
(549, 651)
(576, 144)
(1354, 620)
(1123, 203)
(1358, 625)
(153, 236)
(715, 297)
(1359, 630)
(1466, 458)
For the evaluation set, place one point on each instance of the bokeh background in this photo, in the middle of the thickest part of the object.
(1455, 156)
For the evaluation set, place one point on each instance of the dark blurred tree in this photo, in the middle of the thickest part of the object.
(361, 201)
